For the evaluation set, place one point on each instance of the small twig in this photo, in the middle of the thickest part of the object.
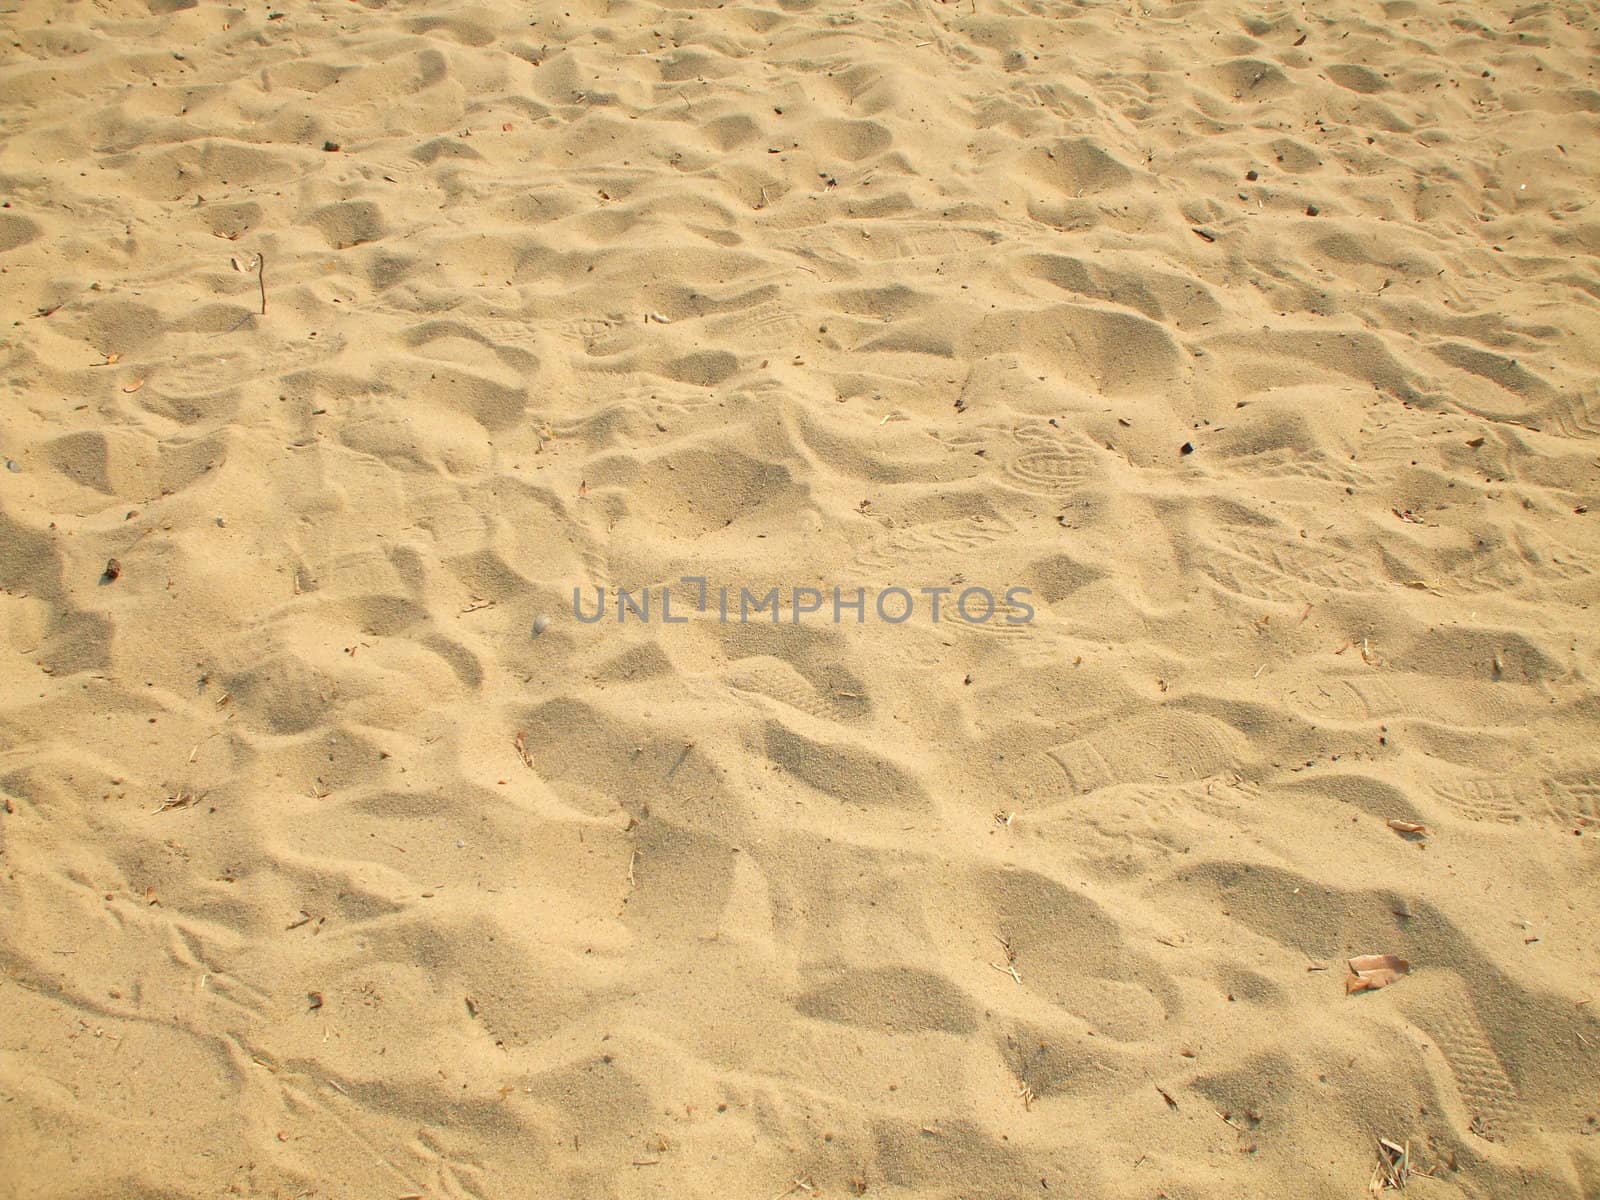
(261, 279)
(681, 759)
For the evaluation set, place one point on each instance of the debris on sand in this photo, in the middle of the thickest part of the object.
(1369, 972)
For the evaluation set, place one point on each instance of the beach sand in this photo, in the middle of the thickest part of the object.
(1259, 343)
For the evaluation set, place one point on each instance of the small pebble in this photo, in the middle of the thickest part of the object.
(540, 624)
(13, 466)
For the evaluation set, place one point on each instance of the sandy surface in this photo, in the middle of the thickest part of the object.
(329, 868)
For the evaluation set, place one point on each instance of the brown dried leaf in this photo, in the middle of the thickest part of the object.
(1379, 962)
(1369, 972)
(130, 388)
(1408, 827)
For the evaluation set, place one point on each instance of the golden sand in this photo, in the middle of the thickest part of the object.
(1258, 342)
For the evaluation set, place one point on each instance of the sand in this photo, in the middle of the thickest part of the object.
(339, 858)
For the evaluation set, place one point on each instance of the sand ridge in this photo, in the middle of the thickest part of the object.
(324, 875)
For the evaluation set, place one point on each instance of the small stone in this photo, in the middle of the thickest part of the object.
(540, 624)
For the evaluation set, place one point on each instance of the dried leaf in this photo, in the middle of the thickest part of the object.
(112, 358)
(1408, 827)
(1369, 972)
(583, 487)
(183, 799)
(1394, 1168)
(130, 388)
(1377, 962)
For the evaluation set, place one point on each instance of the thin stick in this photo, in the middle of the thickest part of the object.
(261, 279)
